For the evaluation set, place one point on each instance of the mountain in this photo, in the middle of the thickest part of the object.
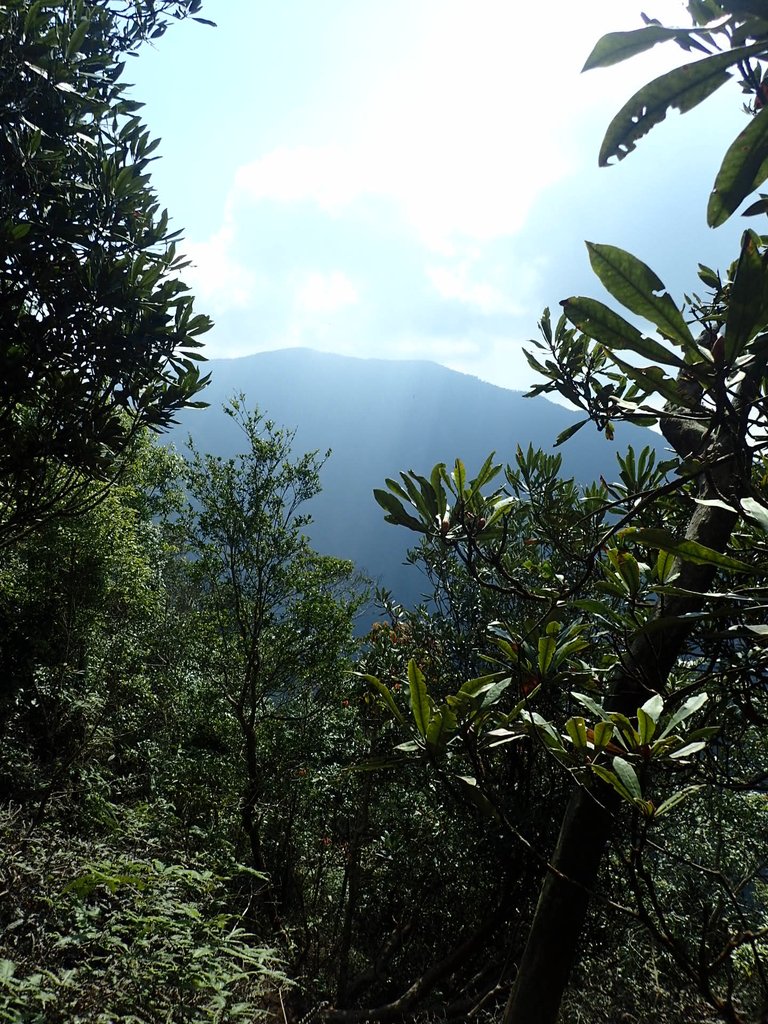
(381, 416)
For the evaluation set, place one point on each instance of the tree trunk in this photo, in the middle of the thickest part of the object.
(553, 942)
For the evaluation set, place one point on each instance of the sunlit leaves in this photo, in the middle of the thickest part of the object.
(681, 89)
(688, 550)
(600, 322)
(744, 168)
(618, 46)
(637, 287)
(748, 299)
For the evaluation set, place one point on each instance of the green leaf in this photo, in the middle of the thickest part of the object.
(635, 286)
(744, 168)
(601, 323)
(628, 777)
(602, 734)
(476, 796)
(709, 277)
(675, 799)
(545, 729)
(653, 707)
(421, 706)
(687, 550)
(629, 571)
(384, 692)
(615, 47)
(563, 436)
(627, 731)
(613, 780)
(577, 730)
(652, 380)
(688, 749)
(474, 687)
(459, 477)
(690, 707)
(396, 513)
(664, 566)
(546, 647)
(755, 510)
(77, 37)
(748, 302)
(682, 89)
(442, 725)
(591, 705)
(646, 726)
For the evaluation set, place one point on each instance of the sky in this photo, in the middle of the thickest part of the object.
(415, 179)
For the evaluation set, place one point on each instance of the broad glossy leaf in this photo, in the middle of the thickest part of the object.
(613, 780)
(441, 727)
(748, 302)
(652, 380)
(384, 692)
(690, 707)
(545, 730)
(421, 706)
(688, 550)
(618, 46)
(664, 565)
(591, 705)
(602, 734)
(628, 776)
(436, 478)
(474, 687)
(675, 799)
(646, 726)
(601, 323)
(477, 797)
(744, 168)
(459, 476)
(78, 36)
(577, 730)
(636, 286)
(682, 89)
(627, 731)
(654, 706)
(396, 513)
(563, 436)
(688, 749)
(755, 510)
(546, 650)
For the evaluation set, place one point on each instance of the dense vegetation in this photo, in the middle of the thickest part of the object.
(218, 802)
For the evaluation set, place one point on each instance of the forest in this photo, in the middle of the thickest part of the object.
(541, 795)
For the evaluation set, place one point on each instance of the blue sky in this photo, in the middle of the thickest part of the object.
(415, 178)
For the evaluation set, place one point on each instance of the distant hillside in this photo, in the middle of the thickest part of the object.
(379, 417)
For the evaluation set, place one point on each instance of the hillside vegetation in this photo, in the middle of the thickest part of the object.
(540, 794)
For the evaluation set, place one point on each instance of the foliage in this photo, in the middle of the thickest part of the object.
(99, 334)
(664, 636)
(732, 36)
(100, 929)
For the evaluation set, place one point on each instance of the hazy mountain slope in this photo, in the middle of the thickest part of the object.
(381, 416)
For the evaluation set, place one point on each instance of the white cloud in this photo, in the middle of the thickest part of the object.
(413, 228)
(330, 176)
(326, 292)
(216, 275)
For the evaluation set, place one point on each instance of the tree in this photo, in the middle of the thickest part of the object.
(279, 617)
(116, 825)
(668, 632)
(712, 419)
(97, 331)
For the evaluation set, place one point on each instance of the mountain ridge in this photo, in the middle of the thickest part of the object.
(381, 416)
